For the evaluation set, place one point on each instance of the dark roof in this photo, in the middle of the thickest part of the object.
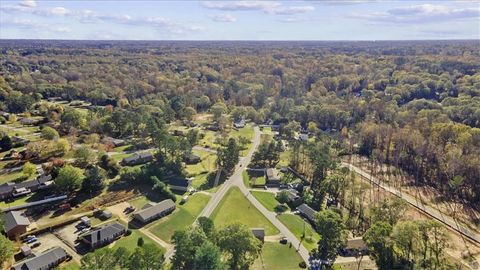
(137, 156)
(156, 209)
(178, 181)
(272, 174)
(258, 232)
(307, 211)
(292, 194)
(42, 261)
(101, 234)
(14, 219)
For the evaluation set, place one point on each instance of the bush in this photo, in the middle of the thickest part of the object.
(128, 232)
(302, 265)
(280, 208)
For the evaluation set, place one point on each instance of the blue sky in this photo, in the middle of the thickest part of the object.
(240, 20)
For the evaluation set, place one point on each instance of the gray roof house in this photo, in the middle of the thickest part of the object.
(307, 212)
(179, 183)
(113, 141)
(155, 211)
(47, 260)
(41, 182)
(104, 235)
(271, 177)
(137, 159)
(16, 223)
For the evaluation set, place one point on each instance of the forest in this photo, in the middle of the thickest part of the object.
(411, 104)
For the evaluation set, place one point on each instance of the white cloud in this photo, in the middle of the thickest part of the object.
(265, 6)
(426, 13)
(223, 18)
(59, 11)
(28, 3)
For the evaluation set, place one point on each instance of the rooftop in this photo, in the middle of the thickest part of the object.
(14, 219)
(156, 209)
(42, 261)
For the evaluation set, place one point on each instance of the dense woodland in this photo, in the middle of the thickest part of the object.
(415, 105)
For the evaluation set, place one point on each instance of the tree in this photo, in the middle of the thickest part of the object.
(282, 197)
(140, 242)
(207, 226)
(49, 133)
(188, 113)
(388, 210)
(6, 143)
(228, 157)
(29, 169)
(94, 180)
(186, 244)
(331, 228)
(241, 246)
(379, 244)
(147, 257)
(69, 178)
(208, 256)
(218, 110)
(100, 259)
(6, 249)
(84, 156)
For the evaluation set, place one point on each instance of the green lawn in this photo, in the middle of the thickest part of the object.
(295, 224)
(209, 139)
(246, 178)
(276, 256)
(234, 207)
(11, 177)
(121, 148)
(19, 201)
(183, 217)
(243, 132)
(130, 242)
(207, 163)
(285, 157)
(267, 199)
(119, 157)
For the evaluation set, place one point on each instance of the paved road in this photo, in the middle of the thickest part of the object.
(237, 180)
(434, 213)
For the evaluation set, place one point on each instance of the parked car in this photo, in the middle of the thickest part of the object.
(84, 230)
(34, 245)
(32, 240)
(283, 241)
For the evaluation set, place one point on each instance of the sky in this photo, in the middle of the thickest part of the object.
(240, 20)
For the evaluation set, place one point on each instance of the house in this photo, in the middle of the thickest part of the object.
(239, 124)
(271, 177)
(179, 184)
(9, 190)
(104, 235)
(192, 159)
(307, 212)
(113, 141)
(47, 260)
(293, 197)
(155, 211)
(137, 159)
(15, 224)
(259, 233)
(354, 247)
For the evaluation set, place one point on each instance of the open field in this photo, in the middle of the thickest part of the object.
(296, 225)
(181, 218)
(200, 170)
(276, 256)
(234, 207)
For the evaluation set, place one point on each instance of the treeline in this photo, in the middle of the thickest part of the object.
(369, 93)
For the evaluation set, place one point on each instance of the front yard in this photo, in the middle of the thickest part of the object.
(234, 207)
(276, 256)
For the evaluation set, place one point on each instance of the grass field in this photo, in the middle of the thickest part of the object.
(209, 139)
(71, 265)
(276, 256)
(243, 132)
(19, 201)
(139, 202)
(10, 177)
(130, 242)
(234, 207)
(267, 199)
(200, 170)
(295, 224)
(181, 218)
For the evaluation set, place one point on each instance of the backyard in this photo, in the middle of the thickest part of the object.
(267, 199)
(296, 225)
(276, 256)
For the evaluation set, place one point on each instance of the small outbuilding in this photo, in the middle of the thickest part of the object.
(105, 214)
(26, 250)
(271, 177)
(259, 233)
(85, 221)
(307, 212)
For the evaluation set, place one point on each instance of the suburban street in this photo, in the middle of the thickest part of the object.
(434, 213)
(237, 180)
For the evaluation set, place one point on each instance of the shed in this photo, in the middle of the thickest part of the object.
(307, 212)
(259, 233)
(105, 214)
(85, 220)
(271, 177)
(26, 250)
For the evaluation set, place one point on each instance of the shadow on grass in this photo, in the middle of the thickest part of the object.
(210, 183)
